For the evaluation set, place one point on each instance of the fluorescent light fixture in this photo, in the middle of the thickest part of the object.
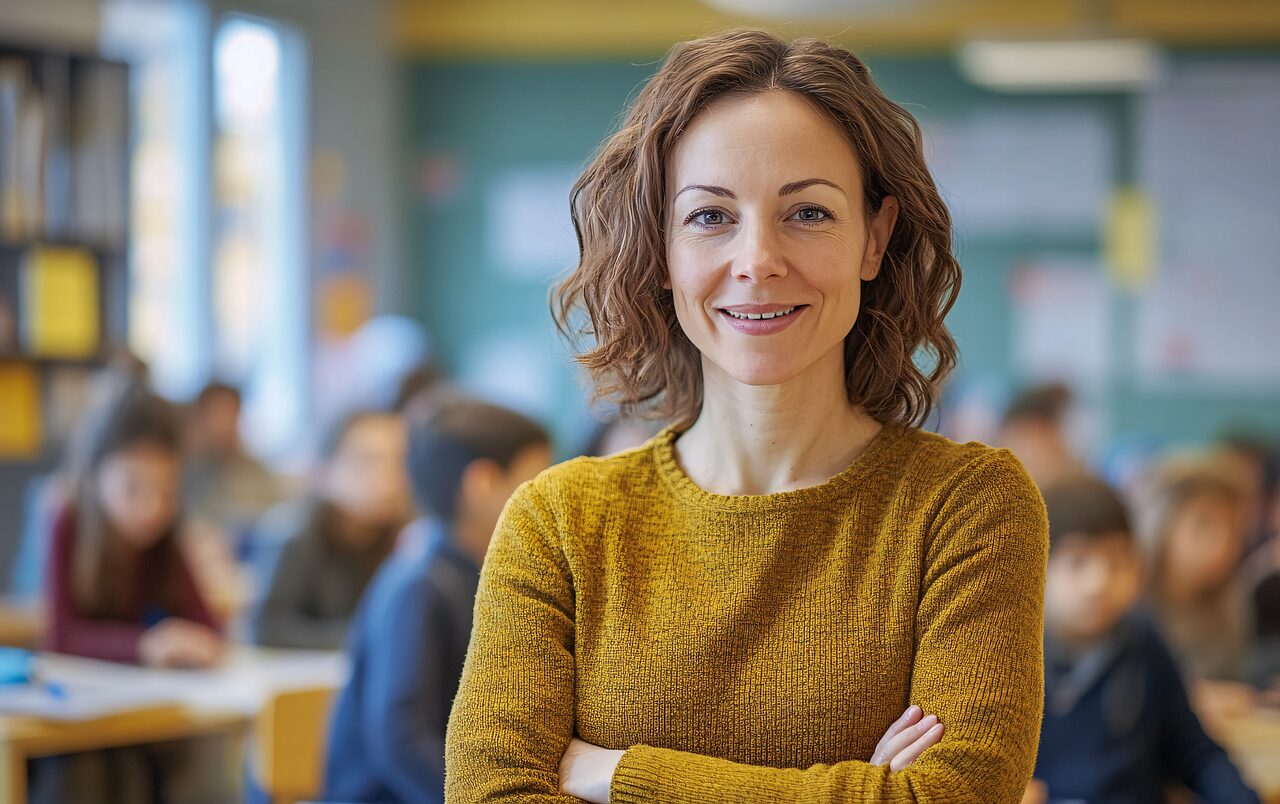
(1080, 65)
(847, 10)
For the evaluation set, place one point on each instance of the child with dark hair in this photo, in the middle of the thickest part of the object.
(323, 549)
(1117, 723)
(410, 636)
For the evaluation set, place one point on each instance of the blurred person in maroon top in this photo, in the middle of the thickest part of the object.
(118, 588)
(117, 585)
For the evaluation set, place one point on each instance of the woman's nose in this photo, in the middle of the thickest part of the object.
(760, 255)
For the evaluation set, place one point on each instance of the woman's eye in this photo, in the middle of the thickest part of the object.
(708, 217)
(812, 215)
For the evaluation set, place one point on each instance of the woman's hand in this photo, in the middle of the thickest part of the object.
(907, 739)
(586, 771)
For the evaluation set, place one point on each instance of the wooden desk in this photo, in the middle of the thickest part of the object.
(21, 622)
(1253, 740)
(182, 704)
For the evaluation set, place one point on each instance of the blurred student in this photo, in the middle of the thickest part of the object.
(410, 638)
(117, 585)
(1117, 723)
(328, 545)
(225, 486)
(1034, 428)
(1194, 529)
(118, 588)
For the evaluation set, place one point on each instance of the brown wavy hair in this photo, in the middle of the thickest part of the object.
(641, 358)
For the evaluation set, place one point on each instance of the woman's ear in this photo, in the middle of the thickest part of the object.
(878, 235)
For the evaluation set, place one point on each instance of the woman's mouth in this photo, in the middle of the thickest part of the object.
(762, 320)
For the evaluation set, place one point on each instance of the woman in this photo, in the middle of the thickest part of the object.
(742, 609)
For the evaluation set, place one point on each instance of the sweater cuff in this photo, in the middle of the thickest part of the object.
(646, 775)
(637, 776)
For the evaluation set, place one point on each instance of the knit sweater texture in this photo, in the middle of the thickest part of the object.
(756, 648)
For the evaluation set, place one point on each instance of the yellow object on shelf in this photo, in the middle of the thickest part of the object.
(20, 430)
(60, 307)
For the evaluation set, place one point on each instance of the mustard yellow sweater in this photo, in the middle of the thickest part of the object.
(755, 648)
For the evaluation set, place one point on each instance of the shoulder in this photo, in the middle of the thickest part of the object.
(968, 474)
(936, 457)
(971, 497)
(588, 483)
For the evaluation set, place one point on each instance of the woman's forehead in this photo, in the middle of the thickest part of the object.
(771, 139)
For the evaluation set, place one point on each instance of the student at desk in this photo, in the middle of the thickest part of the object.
(119, 589)
(325, 548)
(410, 636)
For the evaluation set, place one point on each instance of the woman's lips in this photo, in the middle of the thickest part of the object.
(736, 317)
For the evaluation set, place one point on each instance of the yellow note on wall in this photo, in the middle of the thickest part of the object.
(20, 429)
(1129, 239)
(60, 303)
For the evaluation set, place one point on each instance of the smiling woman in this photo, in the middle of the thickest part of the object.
(793, 593)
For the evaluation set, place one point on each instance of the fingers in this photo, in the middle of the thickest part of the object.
(931, 737)
(907, 737)
(909, 718)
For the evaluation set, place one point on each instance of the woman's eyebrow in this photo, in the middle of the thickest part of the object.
(797, 186)
(723, 192)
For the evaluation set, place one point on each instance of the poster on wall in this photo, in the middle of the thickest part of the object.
(530, 233)
(993, 171)
(1061, 321)
(1207, 146)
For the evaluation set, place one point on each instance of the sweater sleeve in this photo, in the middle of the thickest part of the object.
(978, 666)
(68, 630)
(513, 716)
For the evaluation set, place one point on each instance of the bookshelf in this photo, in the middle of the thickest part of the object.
(64, 203)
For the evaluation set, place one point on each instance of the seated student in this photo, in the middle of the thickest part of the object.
(117, 585)
(410, 638)
(225, 486)
(1034, 427)
(1194, 530)
(1117, 723)
(118, 588)
(328, 545)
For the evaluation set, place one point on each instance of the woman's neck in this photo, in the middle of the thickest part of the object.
(768, 439)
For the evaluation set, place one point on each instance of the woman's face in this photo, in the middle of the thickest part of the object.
(765, 217)
(140, 492)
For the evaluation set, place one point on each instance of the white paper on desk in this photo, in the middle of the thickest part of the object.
(244, 681)
(78, 701)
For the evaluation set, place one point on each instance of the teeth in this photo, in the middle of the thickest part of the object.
(759, 316)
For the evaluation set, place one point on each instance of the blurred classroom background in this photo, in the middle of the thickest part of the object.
(281, 211)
